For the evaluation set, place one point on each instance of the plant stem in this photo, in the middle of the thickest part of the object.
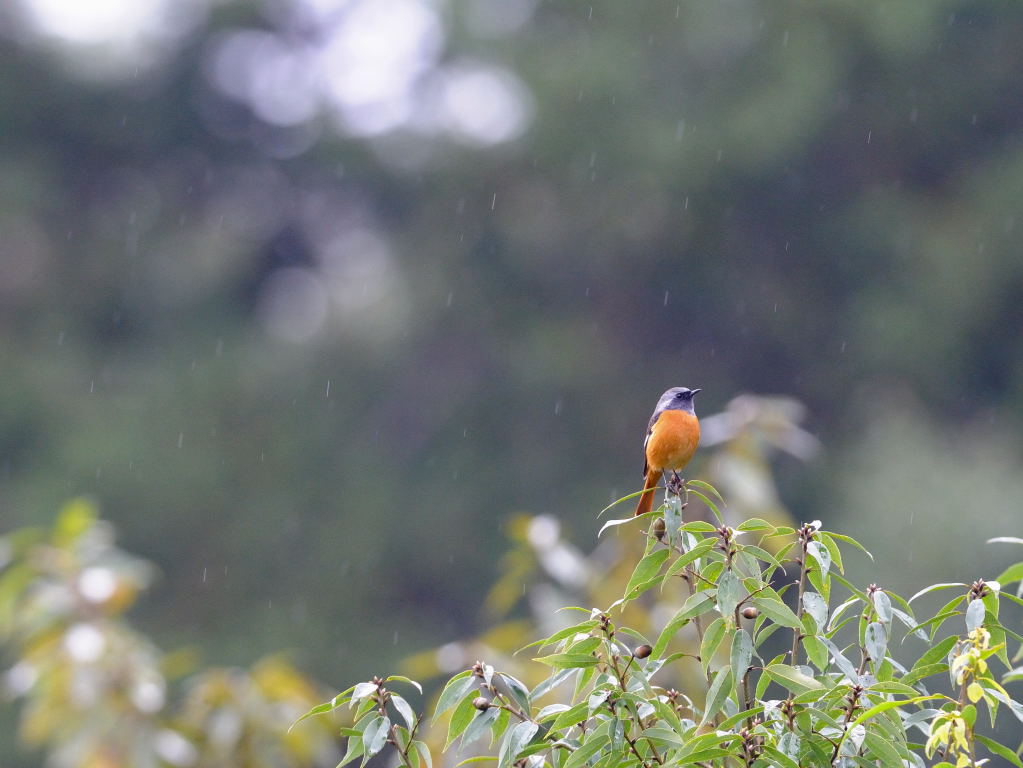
(797, 633)
(639, 723)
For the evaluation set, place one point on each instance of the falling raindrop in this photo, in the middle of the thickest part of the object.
(181, 439)
(204, 574)
(92, 386)
(665, 298)
(869, 133)
(60, 339)
(493, 201)
(557, 407)
(328, 387)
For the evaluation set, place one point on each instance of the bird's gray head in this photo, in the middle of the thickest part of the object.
(677, 399)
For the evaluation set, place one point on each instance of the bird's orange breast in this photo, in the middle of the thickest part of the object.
(673, 440)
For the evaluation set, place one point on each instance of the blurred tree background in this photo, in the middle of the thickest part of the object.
(314, 295)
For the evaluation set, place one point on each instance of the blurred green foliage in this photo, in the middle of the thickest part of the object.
(96, 692)
(819, 200)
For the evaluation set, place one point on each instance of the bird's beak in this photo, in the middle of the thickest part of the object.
(693, 392)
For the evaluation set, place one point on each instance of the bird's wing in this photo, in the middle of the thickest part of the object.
(649, 431)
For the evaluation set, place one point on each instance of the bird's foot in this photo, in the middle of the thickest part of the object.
(675, 484)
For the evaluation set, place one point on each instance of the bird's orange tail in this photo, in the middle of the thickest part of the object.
(646, 501)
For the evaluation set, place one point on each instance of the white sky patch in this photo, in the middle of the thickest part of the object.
(96, 22)
(485, 104)
(374, 57)
(278, 80)
(109, 38)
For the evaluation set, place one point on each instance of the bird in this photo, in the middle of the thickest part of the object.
(671, 439)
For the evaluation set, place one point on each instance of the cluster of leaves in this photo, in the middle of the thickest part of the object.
(82, 671)
(795, 661)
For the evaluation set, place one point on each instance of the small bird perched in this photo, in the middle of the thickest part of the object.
(671, 439)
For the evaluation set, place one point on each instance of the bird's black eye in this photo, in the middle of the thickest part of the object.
(680, 395)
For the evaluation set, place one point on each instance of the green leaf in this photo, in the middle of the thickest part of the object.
(712, 637)
(479, 725)
(693, 554)
(883, 606)
(1003, 752)
(624, 520)
(696, 604)
(589, 748)
(720, 688)
(453, 692)
(935, 588)
(518, 690)
(461, 718)
(361, 691)
(817, 651)
(791, 678)
(851, 540)
(353, 750)
(755, 524)
(834, 549)
(729, 592)
(646, 570)
(821, 554)
(882, 749)
(699, 526)
(876, 641)
(561, 634)
(974, 615)
(404, 709)
(552, 682)
(514, 741)
(661, 736)
(780, 758)
(576, 714)
(319, 709)
(374, 737)
(884, 706)
(925, 670)
(738, 717)
(712, 490)
(569, 660)
(403, 679)
(893, 686)
(817, 608)
(741, 654)
(777, 611)
(842, 662)
(710, 505)
(424, 752)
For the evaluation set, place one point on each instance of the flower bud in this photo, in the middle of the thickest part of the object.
(750, 612)
(642, 651)
(481, 704)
